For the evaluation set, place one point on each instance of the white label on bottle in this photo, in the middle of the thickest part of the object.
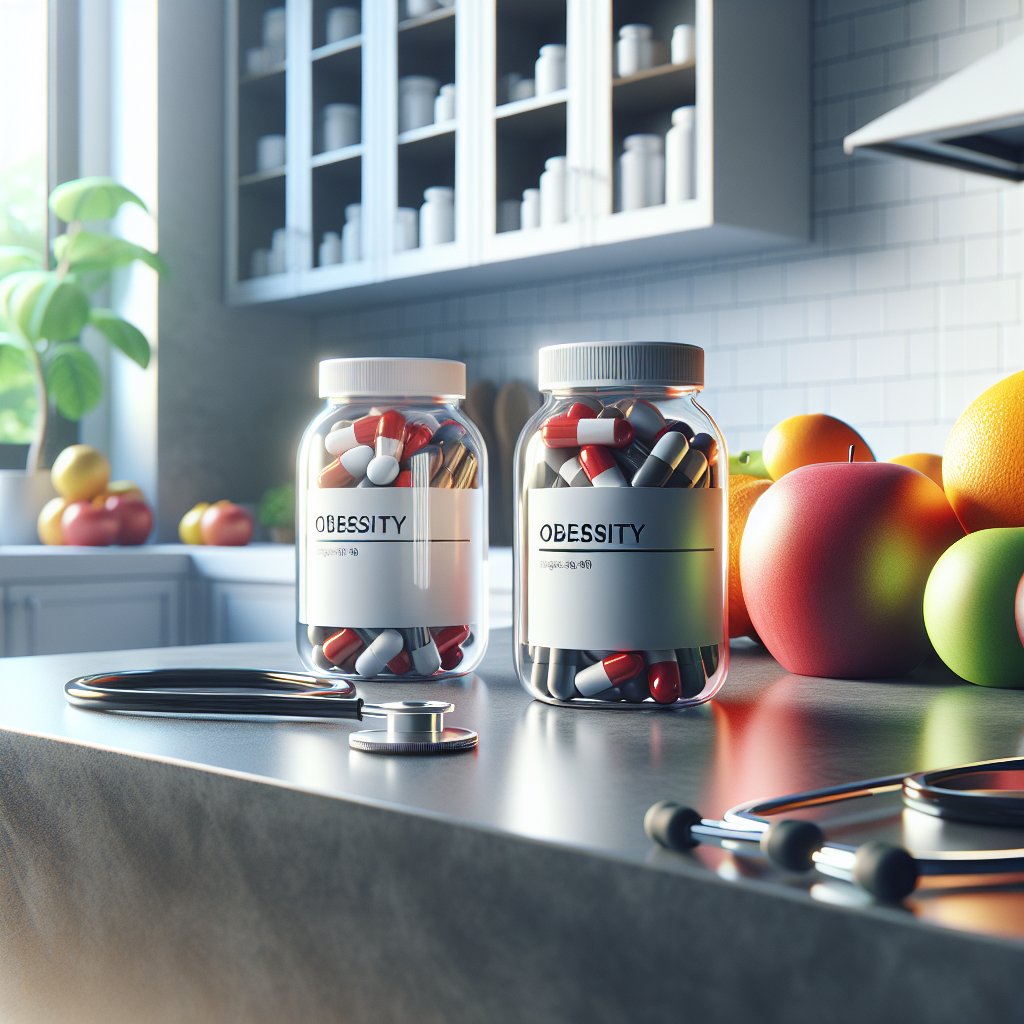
(393, 557)
(623, 568)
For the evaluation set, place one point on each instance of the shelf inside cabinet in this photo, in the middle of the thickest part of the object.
(427, 131)
(275, 174)
(325, 53)
(337, 156)
(664, 87)
(270, 81)
(536, 111)
(431, 28)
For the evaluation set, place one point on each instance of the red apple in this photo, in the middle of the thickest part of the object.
(85, 523)
(134, 516)
(834, 562)
(226, 524)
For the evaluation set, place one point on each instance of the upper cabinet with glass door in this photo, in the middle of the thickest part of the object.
(409, 146)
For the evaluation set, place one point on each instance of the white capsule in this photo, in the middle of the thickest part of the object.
(374, 659)
(572, 473)
(382, 470)
(355, 460)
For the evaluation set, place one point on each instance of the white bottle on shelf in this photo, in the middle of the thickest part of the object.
(444, 104)
(254, 61)
(330, 249)
(341, 125)
(416, 94)
(352, 234)
(529, 209)
(270, 152)
(553, 192)
(684, 44)
(634, 51)
(680, 179)
(522, 89)
(342, 23)
(417, 8)
(274, 27)
(509, 215)
(407, 222)
(642, 172)
(278, 261)
(437, 216)
(549, 70)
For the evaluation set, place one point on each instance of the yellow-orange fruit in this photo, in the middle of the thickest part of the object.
(48, 523)
(982, 467)
(80, 472)
(923, 462)
(743, 492)
(810, 438)
(188, 528)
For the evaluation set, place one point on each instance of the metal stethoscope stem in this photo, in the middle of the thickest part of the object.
(887, 871)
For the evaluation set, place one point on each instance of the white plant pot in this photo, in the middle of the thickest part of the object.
(22, 497)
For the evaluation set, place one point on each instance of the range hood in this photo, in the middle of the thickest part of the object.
(973, 120)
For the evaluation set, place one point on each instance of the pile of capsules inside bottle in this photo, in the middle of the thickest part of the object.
(391, 449)
(626, 442)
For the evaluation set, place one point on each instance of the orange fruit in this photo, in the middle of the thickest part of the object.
(982, 467)
(743, 492)
(804, 440)
(923, 462)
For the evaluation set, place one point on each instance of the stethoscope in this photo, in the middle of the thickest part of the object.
(413, 727)
(967, 793)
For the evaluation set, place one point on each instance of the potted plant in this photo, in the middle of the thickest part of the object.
(277, 513)
(43, 310)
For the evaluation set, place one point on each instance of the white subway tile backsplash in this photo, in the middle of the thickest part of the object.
(905, 307)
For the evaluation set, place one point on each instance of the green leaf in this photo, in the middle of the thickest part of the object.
(127, 337)
(748, 464)
(44, 304)
(73, 380)
(17, 257)
(9, 340)
(88, 251)
(96, 198)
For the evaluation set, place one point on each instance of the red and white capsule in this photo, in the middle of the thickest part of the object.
(663, 676)
(416, 436)
(388, 444)
(614, 670)
(347, 469)
(563, 432)
(347, 435)
(601, 468)
(341, 646)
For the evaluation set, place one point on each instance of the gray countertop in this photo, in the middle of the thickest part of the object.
(579, 782)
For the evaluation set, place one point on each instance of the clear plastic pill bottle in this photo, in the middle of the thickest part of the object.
(391, 528)
(621, 531)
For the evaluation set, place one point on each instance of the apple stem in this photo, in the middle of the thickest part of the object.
(852, 447)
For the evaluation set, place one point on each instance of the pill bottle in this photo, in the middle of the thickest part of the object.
(391, 533)
(620, 533)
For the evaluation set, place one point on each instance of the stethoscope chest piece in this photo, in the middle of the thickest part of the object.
(413, 727)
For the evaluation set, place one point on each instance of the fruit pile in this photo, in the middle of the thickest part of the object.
(223, 523)
(846, 567)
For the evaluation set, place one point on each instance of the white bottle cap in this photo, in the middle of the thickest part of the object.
(553, 163)
(553, 50)
(439, 194)
(615, 363)
(683, 115)
(635, 31)
(353, 212)
(382, 376)
(645, 143)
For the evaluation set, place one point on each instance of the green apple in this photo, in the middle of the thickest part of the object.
(748, 464)
(968, 607)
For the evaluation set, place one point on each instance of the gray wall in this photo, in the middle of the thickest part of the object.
(906, 305)
(236, 386)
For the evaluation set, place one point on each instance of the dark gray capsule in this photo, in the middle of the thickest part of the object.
(612, 695)
(610, 412)
(709, 655)
(636, 690)
(562, 674)
(691, 671)
(539, 670)
(630, 458)
(666, 455)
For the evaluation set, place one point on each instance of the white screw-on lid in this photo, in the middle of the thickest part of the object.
(392, 376)
(439, 194)
(643, 143)
(620, 363)
(636, 31)
(683, 115)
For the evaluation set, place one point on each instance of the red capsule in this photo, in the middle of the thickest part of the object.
(400, 663)
(579, 411)
(664, 681)
(388, 440)
(614, 670)
(451, 659)
(362, 431)
(404, 478)
(450, 636)
(562, 432)
(416, 436)
(341, 646)
(601, 468)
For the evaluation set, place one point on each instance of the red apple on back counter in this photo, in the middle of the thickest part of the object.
(88, 524)
(226, 524)
(834, 562)
(134, 516)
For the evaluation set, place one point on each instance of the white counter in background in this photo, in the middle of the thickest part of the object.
(57, 600)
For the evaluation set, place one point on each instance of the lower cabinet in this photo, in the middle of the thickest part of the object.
(244, 612)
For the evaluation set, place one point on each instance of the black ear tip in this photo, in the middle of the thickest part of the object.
(788, 844)
(888, 872)
(668, 824)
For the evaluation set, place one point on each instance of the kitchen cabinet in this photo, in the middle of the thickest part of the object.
(748, 81)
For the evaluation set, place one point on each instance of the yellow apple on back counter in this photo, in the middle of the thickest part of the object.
(48, 523)
(80, 472)
(188, 528)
